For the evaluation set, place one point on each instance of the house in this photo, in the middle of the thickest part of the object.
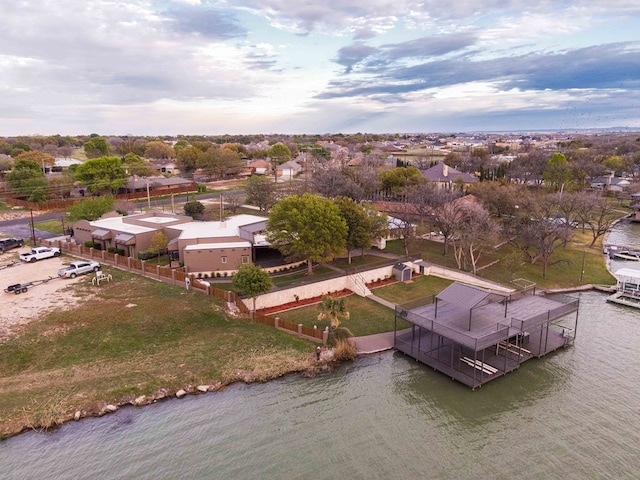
(288, 170)
(198, 246)
(260, 167)
(610, 183)
(446, 177)
(157, 184)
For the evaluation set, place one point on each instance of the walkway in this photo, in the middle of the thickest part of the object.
(373, 343)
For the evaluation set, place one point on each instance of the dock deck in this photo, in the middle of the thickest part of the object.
(479, 344)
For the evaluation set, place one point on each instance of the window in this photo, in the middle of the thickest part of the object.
(223, 259)
(245, 258)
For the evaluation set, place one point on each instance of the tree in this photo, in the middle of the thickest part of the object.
(362, 223)
(27, 180)
(260, 192)
(194, 209)
(334, 309)
(40, 158)
(158, 150)
(557, 173)
(279, 154)
(251, 280)
(395, 180)
(158, 244)
(91, 208)
(135, 165)
(104, 174)
(307, 227)
(96, 147)
(475, 232)
(188, 158)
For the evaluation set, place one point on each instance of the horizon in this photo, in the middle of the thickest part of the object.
(141, 68)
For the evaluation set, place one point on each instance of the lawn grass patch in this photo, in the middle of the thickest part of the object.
(366, 317)
(422, 286)
(133, 336)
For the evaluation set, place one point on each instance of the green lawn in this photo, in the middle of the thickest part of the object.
(420, 287)
(366, 316)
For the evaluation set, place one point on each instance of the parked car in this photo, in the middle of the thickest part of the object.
(9, 243)
(79, 267)
(40, 253)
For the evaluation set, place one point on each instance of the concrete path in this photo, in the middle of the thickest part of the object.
(373, 343)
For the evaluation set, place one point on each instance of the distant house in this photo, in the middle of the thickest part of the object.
(446, 177)
(610, 183)
(156, 184)
(199, 246)
(260, 167)
(288, 170)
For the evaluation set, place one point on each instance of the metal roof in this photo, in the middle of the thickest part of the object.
(463, 296)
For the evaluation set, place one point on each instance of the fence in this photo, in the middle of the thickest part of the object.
(179, 277)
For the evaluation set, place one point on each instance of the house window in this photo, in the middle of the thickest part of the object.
(223, 259)
(245, 258)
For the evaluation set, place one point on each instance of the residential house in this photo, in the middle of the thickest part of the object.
(610, 183)
(288, 170)
(445, 176)
(199, 246)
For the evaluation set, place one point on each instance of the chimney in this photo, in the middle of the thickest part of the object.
(445, 170)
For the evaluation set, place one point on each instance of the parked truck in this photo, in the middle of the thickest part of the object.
(40, 253)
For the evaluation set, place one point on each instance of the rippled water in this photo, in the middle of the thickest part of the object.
(574, 414)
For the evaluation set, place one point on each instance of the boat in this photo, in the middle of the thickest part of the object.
(627, 288)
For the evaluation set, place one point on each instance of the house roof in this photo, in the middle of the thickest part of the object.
(217, 246)
(443, 173)
(229, 228)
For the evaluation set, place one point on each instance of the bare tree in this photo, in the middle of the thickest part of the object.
(475, 232)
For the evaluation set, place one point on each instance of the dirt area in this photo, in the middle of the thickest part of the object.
(39, 299)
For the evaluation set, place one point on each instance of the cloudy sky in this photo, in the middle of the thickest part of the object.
(165, 67)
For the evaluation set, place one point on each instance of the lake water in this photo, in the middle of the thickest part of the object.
(574, 414)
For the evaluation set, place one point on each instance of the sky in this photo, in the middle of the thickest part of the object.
(213, 67)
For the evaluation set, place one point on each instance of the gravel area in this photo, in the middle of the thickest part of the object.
(39, 299)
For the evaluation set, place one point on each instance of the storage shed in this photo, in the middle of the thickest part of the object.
(402, 272)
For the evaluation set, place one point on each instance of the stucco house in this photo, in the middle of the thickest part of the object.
(207, 247)
(610, 183)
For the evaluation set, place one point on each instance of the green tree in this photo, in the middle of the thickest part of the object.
(96, 147)
(158, 244)
(91, 208)
(194, 209)
(279, 154)
(188, 158)
(307, 227)
(40, 158)
(260, 192)
(27, 180)
(251, 280)
(557, 173)
(136, 165)
(362, 224)
(334, 309)
(104, 174)
(395, 180)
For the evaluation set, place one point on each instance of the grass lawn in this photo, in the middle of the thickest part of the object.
(366, 316)
(420, 287)
(131, 337)
(51, 226)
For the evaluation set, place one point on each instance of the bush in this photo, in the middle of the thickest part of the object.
(89, 244)
(344, 350)
(147, 255)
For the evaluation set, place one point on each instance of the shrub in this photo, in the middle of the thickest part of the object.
(89, 244)
(117, 251)
(146, 255)
(344, 350)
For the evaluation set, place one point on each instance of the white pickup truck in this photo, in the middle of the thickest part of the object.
(39, 253)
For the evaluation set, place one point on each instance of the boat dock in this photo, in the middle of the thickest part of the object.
(627, 289)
